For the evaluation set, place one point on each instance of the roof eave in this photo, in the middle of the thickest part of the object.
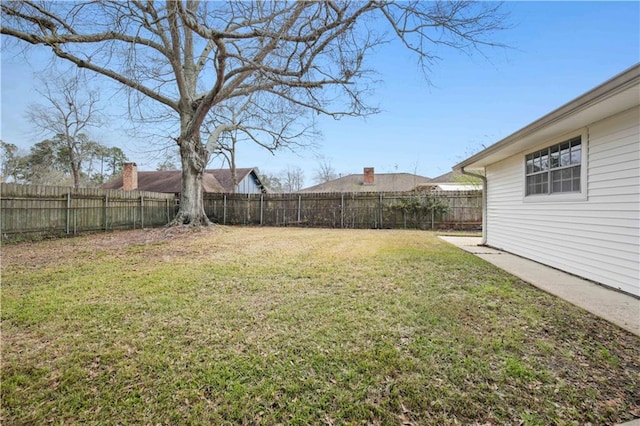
(618, 92)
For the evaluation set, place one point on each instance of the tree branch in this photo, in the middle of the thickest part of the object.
(212, 141)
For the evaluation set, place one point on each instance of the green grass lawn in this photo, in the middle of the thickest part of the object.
(296, 326)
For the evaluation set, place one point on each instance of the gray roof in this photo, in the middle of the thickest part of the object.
(223, 176)
(455, 177)
(166, 181)
(383, 182)
(446, 178)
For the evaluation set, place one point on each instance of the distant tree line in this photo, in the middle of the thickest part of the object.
(48, 163)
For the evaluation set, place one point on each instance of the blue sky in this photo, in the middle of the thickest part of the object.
(558, 51)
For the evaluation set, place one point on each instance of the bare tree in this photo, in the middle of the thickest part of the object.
(168, 163)
(226, 148)
(325, 171)
(187, 56)
(292, 179)
(69, 111)
(270, 122)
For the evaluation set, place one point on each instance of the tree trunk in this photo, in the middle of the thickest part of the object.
(76, 177)
(75, 170)
(234, 176)
(191, 211)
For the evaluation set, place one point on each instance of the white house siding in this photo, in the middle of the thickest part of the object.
(597, 238)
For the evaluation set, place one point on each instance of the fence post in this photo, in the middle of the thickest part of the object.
(68, 227)
(342, 210)
(284, 212)
(261, 208)
(224, 209)
(142, 211)
(106, 210)
(248, 214)
(381, 212)
(299, 207)
(167, 205)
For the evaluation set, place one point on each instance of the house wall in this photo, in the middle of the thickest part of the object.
(598, 237)
(248, 185)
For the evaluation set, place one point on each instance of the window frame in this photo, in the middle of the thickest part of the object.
(558, 196)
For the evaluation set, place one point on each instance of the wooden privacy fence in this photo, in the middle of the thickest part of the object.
(418, 210)
(53, 211)
(36, 210)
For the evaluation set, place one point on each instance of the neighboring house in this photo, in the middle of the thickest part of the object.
(565, 190)
(248, 180)
(170, 181)
(453, 181)
(370, 182)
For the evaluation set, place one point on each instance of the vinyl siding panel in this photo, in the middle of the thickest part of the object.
(607, 182)
(597, 238)
(580, 265)
(611, 150)
(613, 170)
(625, 132)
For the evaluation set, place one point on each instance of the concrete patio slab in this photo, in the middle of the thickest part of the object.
(618, 308)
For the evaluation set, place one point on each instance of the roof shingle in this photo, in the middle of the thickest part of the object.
(383, 182)
(168, 181)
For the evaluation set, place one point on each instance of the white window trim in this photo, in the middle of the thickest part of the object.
(560, 196)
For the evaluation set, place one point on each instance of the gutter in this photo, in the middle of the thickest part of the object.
(484, 203)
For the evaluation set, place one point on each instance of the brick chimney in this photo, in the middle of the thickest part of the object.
(130, 177)
(368, 176)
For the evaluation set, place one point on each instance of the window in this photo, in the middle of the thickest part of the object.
(555, 169)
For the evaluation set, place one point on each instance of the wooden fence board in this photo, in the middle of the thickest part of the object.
(343, 210)
(38, 210)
